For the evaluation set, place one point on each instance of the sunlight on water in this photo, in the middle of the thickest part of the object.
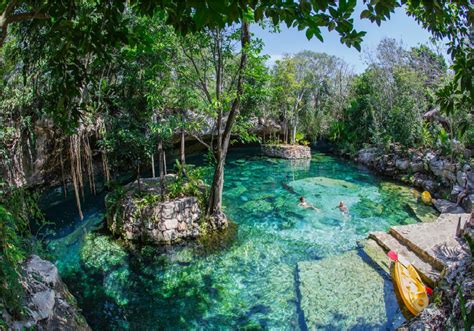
(260, 278)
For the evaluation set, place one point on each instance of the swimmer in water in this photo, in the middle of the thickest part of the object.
(305, 204)
(343, 208)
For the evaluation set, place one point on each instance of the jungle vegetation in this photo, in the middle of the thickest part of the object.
(119, 81)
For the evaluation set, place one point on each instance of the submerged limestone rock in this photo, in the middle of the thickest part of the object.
(145, 218)
(345, 293)
(49, 304)
(287, 151)
(423, 212)
(311, 182)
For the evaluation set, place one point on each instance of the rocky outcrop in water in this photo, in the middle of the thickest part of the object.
(287, 151)
(145, 218)
(426, 170)
(48, 303)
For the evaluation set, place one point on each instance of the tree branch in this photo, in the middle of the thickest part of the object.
(7, 17)
(235, 109)
(203, 84)
(200, 140)
(27, 16)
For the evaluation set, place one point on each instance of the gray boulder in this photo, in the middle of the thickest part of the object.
(445, 206)
(48, 303)
(367, 156)
(402, 164)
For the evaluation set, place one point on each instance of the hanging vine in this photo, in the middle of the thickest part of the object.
(61, 160)
(101, 134)
(88, 160)
(76, 173)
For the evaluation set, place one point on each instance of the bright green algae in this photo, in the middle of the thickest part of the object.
(249, 278)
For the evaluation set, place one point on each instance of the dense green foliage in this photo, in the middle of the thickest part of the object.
(397, 100)
(18, 207)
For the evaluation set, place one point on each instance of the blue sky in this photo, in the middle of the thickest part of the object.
(289, 41)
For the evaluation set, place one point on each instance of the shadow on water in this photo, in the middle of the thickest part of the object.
(299, 311)
(395, 315)
(135, 294)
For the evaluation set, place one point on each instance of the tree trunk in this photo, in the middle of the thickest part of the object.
(152, 165)
(182, 158)
(138, 178)
(161, 168)
(182, 151)
(293, 135)
(62, 169)
(164, 163)
(215, 198)
(74, 174)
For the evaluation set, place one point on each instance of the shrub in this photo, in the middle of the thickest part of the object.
(17, 208)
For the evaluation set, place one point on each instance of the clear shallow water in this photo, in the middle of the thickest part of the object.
(249, 279)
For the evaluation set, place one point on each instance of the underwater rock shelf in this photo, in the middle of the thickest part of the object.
(290, 152)
(363, 305)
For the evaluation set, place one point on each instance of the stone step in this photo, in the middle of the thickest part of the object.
(428, 273)
(376, 253)
(434, 242)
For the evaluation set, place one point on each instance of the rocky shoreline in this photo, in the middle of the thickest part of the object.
(445, 180)
(48, 303)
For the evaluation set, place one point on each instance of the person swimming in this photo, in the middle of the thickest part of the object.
(305, 204)
(343, 208)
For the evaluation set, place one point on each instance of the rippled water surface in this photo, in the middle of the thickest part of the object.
(274, 271)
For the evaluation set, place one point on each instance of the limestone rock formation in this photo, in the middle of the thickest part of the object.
(287, 151)
(49, 304)
(147, 219)
(455, 288)
(445, 206)
(425, 170)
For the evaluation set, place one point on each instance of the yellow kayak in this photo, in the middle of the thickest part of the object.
(412, 290)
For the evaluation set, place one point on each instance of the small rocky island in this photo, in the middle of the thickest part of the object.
(286, 151)
(141, 213)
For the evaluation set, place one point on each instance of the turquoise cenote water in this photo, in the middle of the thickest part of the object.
(281, 267)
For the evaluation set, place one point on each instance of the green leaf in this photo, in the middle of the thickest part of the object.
(365, 14)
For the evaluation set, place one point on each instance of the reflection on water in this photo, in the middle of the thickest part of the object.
(249, 279)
